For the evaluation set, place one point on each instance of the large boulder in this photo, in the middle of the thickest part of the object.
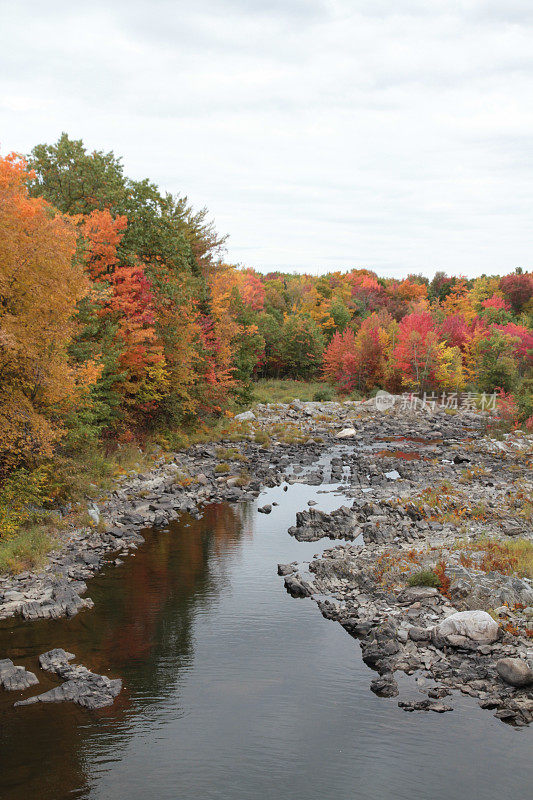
(515, 671)
(478, 626)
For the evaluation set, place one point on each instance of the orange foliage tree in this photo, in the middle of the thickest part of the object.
(40, 284)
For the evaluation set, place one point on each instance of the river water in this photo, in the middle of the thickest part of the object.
(233, 689)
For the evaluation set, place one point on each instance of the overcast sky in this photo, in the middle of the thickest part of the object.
(320, 134)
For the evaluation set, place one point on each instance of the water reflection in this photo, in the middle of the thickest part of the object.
(140, 629)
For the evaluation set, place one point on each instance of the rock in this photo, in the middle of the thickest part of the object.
(94, 514)
(346, 433)
(477, 626)
(298, 587)
(266, 509)
(88, 690)
(385, 686)
(437, 692)
(424, 705)
(246, 416)
(514, 671)
(15, 679)
(81, 686)
(420, 634)
(286, 569)
(393, 475)
(56, 660)
(416, 594)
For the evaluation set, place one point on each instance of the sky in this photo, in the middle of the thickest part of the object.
(321, 134)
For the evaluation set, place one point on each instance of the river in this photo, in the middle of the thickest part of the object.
(233, 689)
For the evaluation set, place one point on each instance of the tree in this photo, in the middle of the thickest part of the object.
(518, 289)
(359, 361)
(40, 284)
(423, 361)
(301, 347)
(490, 361)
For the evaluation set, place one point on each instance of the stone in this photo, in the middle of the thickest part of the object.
(56, 660)
(81, 686)
(514, 671)
(475, 625)
(419, 634)
(385, 686)
(245, 416)
(393, 475)
(266, 509)
(298, 587)
(94, 514)
(346, 433)
(286, 569)
(15, 679)
(90, 691)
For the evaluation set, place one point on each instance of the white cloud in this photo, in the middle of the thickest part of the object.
(320, 135)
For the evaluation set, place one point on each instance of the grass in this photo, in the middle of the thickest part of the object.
(26, 550)
(284, 391)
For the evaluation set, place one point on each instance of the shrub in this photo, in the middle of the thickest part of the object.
(21, 498)
(425, 577)
(222, 468)
(324, 394)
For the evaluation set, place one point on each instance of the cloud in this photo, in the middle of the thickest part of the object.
(321, 134)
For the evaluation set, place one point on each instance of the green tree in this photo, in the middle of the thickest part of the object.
(301, 347)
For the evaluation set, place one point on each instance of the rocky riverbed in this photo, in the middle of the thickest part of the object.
(423, 488)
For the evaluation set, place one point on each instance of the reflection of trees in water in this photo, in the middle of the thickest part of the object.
(140, 629)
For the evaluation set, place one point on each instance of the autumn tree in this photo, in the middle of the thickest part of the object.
(40, 284)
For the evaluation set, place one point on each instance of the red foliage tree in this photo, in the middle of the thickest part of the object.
(518, 289)
(103, 234)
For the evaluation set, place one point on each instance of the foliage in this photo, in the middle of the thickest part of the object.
(21, 497)
(40, 284)
(302, 346)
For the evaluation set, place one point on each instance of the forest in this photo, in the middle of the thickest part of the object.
(120, 321)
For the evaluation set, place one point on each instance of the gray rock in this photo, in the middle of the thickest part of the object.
(56, 660)
(475, 625)
(246, 416)
(419, 634)
(15, 679)
(514, 671)
(286, 569)
(346, 433)
(88, 690)
(81, 686)
(298, 587)
(385, 686)
(266, 509)
(393, 475)
(94, 514)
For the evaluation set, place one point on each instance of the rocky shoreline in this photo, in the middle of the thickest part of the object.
(423, 487)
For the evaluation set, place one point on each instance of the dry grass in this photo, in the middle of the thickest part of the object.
(510, 557)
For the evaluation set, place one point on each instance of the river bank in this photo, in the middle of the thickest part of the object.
(420, 482)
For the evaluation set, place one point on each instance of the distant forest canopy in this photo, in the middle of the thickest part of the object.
(118, 316)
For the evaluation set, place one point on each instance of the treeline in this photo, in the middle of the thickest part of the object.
(118, 317)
